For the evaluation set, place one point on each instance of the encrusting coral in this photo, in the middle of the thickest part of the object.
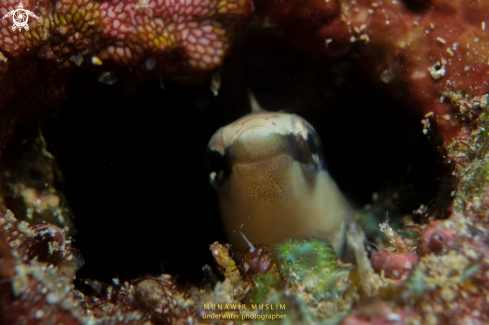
(37, 265)
(116, 39)
(418, 50)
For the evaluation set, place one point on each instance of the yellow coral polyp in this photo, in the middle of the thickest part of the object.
(219, 31)
(35, 34)
(84, 28)
(76, 17)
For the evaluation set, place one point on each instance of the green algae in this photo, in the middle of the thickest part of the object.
(297, 311)
(312, 263)
(471, 161)
(263, 283)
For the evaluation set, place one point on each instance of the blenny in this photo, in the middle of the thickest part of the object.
(269, 172)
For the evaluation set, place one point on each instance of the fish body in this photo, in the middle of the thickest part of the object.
(269, 173)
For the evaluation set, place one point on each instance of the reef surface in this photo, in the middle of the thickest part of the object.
(422, 52)
(117, 39)
(430, 56)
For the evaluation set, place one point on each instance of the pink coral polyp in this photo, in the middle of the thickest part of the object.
(189, 35)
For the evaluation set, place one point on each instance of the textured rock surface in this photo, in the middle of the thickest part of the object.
(37, 268)
(116, 39)
(417, 50)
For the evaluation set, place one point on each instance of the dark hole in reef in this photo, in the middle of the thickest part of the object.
(417, 6)
(135, 178)
(133, 160)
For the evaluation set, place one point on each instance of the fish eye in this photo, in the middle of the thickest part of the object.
(315, 145)
(306, 148)
(217, 168)
(316, 156)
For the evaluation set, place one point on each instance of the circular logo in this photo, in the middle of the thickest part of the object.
(20, 17)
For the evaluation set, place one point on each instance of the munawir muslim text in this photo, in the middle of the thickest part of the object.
(244, 307)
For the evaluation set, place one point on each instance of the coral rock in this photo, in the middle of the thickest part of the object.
(426, 50)
(435, 240)
(177, 37)
(37, 267)
(149, 293)
(378, 313)
(395, 265)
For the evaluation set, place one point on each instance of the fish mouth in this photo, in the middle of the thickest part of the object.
(263, 164)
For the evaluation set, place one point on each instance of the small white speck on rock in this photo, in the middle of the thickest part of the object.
(107, 78)
(150, 64)
(386, 76)
(53, 297)
(77, 59)
(39, 314)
